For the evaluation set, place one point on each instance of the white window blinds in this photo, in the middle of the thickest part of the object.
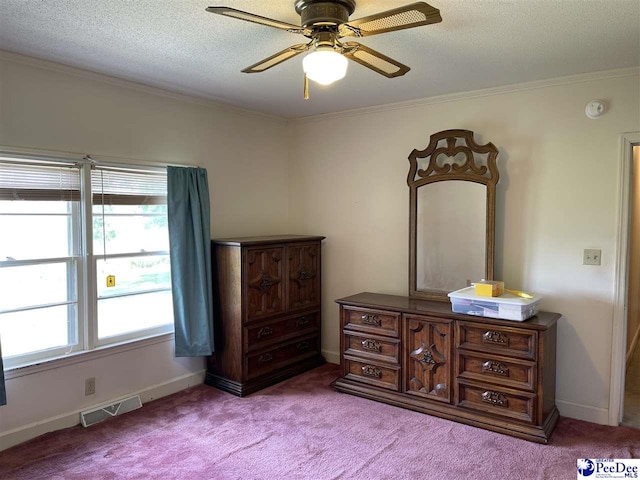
(115, 186)
(39, 181)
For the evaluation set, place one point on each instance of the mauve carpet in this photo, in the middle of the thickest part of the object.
(302, 429)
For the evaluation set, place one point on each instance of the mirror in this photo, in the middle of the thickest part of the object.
(452, 207)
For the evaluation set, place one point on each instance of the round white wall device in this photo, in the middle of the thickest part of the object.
(595, 109)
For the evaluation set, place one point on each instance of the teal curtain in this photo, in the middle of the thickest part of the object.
(188, 211)
(3, 391)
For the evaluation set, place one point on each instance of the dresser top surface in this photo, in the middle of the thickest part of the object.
(541, 321)
(266, 240)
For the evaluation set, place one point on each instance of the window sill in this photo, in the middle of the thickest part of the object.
(84, 356)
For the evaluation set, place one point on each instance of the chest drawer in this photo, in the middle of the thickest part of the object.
(383, 349)
(258, 336)
(515, 342)
(505, 371)
(377, 374)
(280, 356)
(366, 320)
(497, 401)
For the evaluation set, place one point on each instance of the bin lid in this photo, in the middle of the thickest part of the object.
(468, 293)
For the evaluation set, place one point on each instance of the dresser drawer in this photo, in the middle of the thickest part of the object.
(505, 371)
(497, 401)
(259, 336)
(371, 321)
(515, 342)
(372, 347)
(281, 356)
(376, 374)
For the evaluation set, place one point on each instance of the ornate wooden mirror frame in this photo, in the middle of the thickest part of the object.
(479, 166)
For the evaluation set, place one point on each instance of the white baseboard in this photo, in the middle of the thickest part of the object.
(633, 346)
(583, 412)
(70, 419)
(331, 357)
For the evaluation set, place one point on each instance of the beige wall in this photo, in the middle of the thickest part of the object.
(633, 291)
(557, 195)
(245, 153)
(63, 109)
(344, 176)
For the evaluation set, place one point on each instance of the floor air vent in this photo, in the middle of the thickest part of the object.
(97, 415)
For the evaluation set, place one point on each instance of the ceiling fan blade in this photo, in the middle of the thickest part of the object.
(376, 61)
(279, 57)
(250, 17)
(409, 16)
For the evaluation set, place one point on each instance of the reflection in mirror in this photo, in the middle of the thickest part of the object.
(450, 235)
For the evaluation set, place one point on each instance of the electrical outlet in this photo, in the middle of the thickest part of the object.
(90, 386)
(591, 256)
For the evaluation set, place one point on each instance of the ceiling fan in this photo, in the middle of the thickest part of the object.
(325, 22)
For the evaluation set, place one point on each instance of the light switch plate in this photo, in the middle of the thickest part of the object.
(592, 256)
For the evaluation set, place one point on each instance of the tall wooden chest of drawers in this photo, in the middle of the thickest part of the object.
(417, 354)
(267, 310)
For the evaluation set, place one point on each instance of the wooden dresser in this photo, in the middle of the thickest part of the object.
(267, 310)
(494, 374)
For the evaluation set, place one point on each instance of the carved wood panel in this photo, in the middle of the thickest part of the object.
(372, 346)
(282, 355)
(428, 357)
(257, 335)
(304, 276)
(265, 286)
(504, 371)
(371, 321)
(498, 401)
(500, 340)
(377, 374)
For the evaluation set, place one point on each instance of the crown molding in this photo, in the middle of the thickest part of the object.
(199, 98)
(175, 93)
(485, 92)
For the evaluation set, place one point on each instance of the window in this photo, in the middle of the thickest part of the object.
(84, 258)
(131, 247)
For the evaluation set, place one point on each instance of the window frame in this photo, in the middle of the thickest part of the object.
(82, 255)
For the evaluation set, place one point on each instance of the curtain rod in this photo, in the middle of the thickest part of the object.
(58, 164)
(56, 156)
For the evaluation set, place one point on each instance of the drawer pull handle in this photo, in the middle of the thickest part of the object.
(494, 398)
(493, 336)
(371, 320)
(302, 321)
(265, 358)
(265, 332)
(371, 371)
(304, 275)
(495, 367)
(372, 345)
(302, 346)
(427, 357)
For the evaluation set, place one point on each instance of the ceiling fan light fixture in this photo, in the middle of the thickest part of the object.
(325, 66)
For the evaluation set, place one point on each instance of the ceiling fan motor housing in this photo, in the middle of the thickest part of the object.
(314, 12)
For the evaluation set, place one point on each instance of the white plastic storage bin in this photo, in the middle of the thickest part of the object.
(507, 306)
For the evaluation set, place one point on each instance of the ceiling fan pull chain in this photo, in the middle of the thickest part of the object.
(306, 87)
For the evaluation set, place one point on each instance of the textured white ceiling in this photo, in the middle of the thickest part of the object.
(178, 46)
